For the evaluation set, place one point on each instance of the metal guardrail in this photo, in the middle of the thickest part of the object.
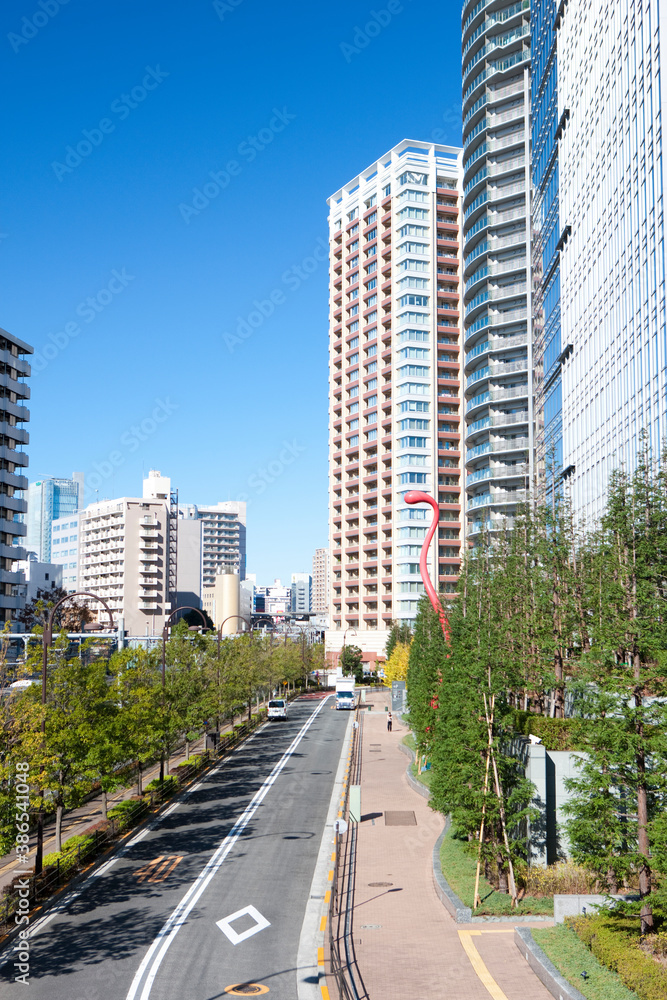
(343, 963)
(72, 863)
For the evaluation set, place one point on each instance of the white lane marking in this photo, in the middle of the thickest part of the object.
(225, 925)
(105, 867)
(152, 961)
(195, 788)
(171, 809)
(140, 836)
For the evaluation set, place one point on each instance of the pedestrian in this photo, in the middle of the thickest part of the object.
(389, 723)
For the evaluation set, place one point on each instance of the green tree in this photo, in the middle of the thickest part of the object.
(351, 662)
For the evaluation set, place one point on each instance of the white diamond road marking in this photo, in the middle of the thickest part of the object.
(225, 925)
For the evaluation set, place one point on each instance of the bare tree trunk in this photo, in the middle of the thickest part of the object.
(643, 845)
(105, 802)
(139, 781)
(59, 826)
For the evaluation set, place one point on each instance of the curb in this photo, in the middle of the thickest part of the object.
(543, 967)
(414, 783)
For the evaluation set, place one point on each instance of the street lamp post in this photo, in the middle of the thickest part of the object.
(47, 639)
(225, 620)
(342, 652)
(185, 607)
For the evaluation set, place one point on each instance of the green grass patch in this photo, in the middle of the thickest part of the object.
(458, 867)
(424, 777)
(409, 741)
(571, 957)
(616, 942)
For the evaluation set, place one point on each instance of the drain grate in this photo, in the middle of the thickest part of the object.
(375, 748)
(400, 818)
(379, 885)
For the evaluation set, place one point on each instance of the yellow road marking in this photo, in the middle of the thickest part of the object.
(158, 869)
(330, 876)
(483, 974)
(320, 956)
(333, 855)
(323, 923)
(327, 896)
(325, 992)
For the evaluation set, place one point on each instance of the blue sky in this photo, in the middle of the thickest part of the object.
(129, 268)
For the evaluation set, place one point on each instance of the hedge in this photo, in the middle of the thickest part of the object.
(169, 785)
(614, 941)
(556, 734)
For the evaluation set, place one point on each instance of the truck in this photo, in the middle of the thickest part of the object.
(345, 694)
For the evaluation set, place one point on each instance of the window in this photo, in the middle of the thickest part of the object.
(410, 317)
(371, 301)
(353, 230)
(410, 230)
(371, 236)
(353, 263)
(371, 418)
(353, 376)
(355, 357)
(412, 196)
(386, 191)
(414, 248)
(373, 349)
(413, 265)
(353, 326)
(412, 460)
(372, 267)
(422, 336)
(413, 283)
(409, 550)
(413, 442)
(371, 251)
(414, 406)
(411, 588)
(371, 201)
(409, 532)
(412, 477)
(353, 246)
(353, 311)
(412, 424)
(372, 384)
(353, 408)
(413, 371)
(371, 401)
(373, 367)
(411, 177)
(420, 353)
(371, 218)
(413, 300)
(352, 278)
(354, 440)
(371, 284)
(371, 318)
(351, 344)
(353, 214)
(353, 424)
(354, 294)
(354, 391)
(372, 435)
(413, 213)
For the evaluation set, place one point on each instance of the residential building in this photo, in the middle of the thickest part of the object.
(124, 556)
(38, 576)
(496, 260)
(14, 369)
(302, 585)
(65, 549)
(48, 500)
(273, 600)
(612, 102)
(395, 402)
(320, 601)
(223, 537)
(189, 559)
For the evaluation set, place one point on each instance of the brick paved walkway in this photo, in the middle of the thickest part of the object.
(406, 943)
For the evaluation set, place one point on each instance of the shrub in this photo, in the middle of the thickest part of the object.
(168, 786)
(615, 942)
(556, 734)
(563, 877)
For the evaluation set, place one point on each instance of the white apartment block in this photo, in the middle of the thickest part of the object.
(394, 390)
(612, 104)
(320, 601)
(223, 537)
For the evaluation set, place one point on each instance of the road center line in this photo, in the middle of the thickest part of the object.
(152, 961)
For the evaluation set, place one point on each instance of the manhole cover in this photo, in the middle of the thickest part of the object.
(400, 818)
(379, 885)
(246, 990)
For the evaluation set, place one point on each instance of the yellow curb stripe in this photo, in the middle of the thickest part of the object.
(333, 855)
(483, 974)
(323, 923)
(327, 896)
(325, 992)
(320, 956)
(330, 876)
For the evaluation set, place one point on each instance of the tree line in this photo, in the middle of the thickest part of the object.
(565, 623)
(107, 717)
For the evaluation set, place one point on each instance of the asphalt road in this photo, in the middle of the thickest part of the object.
(244, 839)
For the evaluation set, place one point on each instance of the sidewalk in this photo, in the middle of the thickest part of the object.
(77, 821)
(406, 943)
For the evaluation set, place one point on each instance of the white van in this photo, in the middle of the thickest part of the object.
(277, 709)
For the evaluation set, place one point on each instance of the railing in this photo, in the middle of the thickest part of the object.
(342, 958)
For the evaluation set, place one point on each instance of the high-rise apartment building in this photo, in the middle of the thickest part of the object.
(65, 548)
(395, 403)
(496, 261)
(14, 369)
(610, 131)
(49, 499)
(223, 537)
(320, 601)
(301, 586)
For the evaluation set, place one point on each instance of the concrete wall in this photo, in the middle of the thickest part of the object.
(548, 771)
